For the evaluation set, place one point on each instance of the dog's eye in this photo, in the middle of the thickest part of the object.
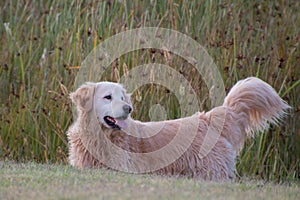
(108, 97)
(122, 98)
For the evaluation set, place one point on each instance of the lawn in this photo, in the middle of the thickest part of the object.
(37, 181)
(42, 47)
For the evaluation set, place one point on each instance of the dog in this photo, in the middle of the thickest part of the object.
(207, 143)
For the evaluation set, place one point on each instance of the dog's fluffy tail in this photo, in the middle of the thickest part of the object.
(254, 105)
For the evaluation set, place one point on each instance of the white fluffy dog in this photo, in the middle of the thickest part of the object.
(104, 134)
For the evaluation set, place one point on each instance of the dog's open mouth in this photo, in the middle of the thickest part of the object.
(115, 123)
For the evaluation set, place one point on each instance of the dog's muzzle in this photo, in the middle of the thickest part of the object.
(118, 122)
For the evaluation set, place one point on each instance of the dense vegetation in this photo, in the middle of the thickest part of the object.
(43, 43)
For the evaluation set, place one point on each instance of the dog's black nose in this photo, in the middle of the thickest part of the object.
(127, 109)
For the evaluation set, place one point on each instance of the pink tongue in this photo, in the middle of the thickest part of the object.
(121, 123)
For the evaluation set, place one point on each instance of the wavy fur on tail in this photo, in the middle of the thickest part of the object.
(253, 104)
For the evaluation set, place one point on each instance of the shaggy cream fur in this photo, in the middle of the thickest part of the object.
(208, 142)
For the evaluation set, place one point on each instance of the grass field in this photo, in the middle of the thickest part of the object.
(43, 43)
(35, 181)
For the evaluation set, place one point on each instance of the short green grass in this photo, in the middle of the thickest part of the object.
(36, 181)
(43, 42)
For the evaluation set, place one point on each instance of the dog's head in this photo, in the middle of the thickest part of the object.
(109, 100)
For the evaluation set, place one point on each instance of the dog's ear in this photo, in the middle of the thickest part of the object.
(83, 96)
